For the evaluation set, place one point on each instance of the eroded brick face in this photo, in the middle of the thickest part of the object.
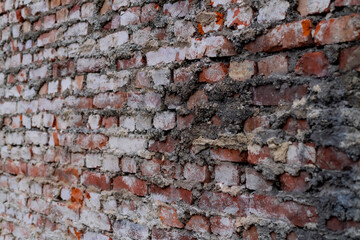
(179, 120)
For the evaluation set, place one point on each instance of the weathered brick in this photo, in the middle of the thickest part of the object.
(267, 95)
(227, 174)
(274, 10)
(331, 158)
(337, 30)
(165, 120)
(239, 18)
(125, 228)
(165, 55)
(96, 179)
(340, 3)
(198, 223)
(255, 181)
(171, 194)
(196, 173)
(213, 74)
(92, 141)
(313, 63)
(68, 175)
(274, 65)
(91, 64)
(177, 9)
(110, 100)
(222, 226)
(350, 59)
(228, 155)
(132, 184)
(287, 36)
(169, 217)
(295, 183)
(242, 70)
(307, 7)
(301, 154)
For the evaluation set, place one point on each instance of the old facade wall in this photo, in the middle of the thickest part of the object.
(213, 119)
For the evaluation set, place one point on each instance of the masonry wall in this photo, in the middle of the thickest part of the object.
(213, 119)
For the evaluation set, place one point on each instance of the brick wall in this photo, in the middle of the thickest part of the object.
(194, 119)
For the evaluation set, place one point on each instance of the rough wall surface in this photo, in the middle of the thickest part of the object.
(220, 119)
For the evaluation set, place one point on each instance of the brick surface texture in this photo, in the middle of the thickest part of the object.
(179, 119)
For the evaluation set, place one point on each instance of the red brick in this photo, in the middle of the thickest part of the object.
(171, 194)
(297, 214)
(335, 225)
(166, 146)
(62, 69)
(169, 217)
(341, 3)
(39, 170)
(54, 3)
(184, 122)
(112, 100)
(216, 46)
(307, 7)
(196, 173)
(256, 122)
(350, 59)
(337, 30)
(198, 98)
(222, 226)
(330, 158)
(47, 38)
(92, 141)
(15, 167)
(183, 75)
(111, 121)
(294, 184)
(251, 233)
(216, 121)
(128, 165)
(286, 36)
(198, 223)
(62, 15)
(215, 73)
(292, 126)
(77, 195)
(149, 12)
(136, 61)
(228, 155)
(96, 179)
(273, 65)
(80, 102)
(313, 64)
(268, 95)
(69, 175)
(132, 184)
